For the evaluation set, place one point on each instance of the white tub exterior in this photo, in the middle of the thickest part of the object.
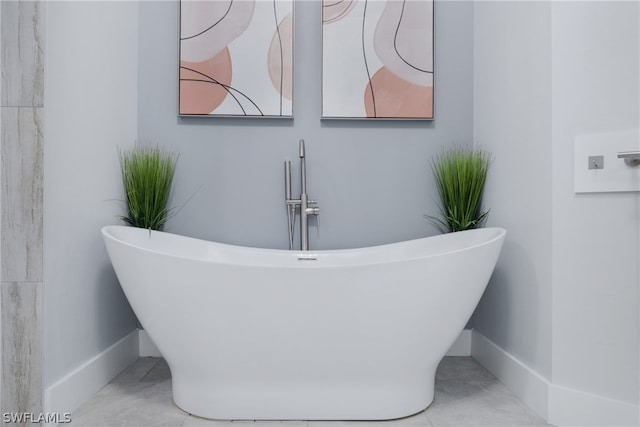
(351, 334)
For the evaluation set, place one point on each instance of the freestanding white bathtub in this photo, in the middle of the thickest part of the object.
(351, 334)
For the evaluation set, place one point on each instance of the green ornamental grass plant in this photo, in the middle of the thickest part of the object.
(460, 175)
(147, 175)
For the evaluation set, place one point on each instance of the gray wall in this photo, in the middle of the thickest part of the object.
(373, 179)
(512, 118)
(596, 274)
(90, 110)
(564, 297)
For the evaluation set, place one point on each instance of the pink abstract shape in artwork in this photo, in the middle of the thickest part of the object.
(204, 85)
(394, 97)
(403, 40)
(280, 58)
(207, 27)
(215, 33)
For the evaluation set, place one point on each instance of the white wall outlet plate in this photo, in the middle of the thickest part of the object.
(596, 162)
(613, 174)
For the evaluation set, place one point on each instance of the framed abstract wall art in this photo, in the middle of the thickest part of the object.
(236, 58)
(377, 59)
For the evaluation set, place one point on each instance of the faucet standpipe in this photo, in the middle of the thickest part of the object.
(307, 207)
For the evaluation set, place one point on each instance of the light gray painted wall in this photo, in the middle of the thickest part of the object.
(91, 107)
(596, 89)
(564, 296)
(512, 118)
(373, 179)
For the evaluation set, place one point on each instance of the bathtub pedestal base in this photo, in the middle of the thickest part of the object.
(300, 403)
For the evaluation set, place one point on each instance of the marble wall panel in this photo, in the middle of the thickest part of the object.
(21, 206)
(21, 347)
(22, 194)
(22, 62)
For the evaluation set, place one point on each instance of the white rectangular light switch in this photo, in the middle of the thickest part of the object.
(597, 167)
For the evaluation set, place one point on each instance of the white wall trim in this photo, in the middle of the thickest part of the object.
(561, 406)
(75, 388)
(527, 384)
(568, 406)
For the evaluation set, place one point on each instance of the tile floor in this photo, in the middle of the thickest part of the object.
(466, 395)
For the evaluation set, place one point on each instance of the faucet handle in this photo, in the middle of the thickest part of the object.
(316, 213)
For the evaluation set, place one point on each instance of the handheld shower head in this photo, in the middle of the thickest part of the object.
(303, 169)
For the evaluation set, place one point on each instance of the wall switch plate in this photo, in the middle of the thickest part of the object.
(596, 150)
(596, 162)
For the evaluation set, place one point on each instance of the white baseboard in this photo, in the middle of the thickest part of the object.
(570, 407)
(75, 388)
(528, 385)
(462, 345)
(147, 347)
(560, 406)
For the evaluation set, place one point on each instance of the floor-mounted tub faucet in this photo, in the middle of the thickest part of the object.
(307, 207)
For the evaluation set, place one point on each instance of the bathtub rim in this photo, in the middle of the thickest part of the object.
(301, 257)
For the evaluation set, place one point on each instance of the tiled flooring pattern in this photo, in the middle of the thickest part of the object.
(466, 395)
